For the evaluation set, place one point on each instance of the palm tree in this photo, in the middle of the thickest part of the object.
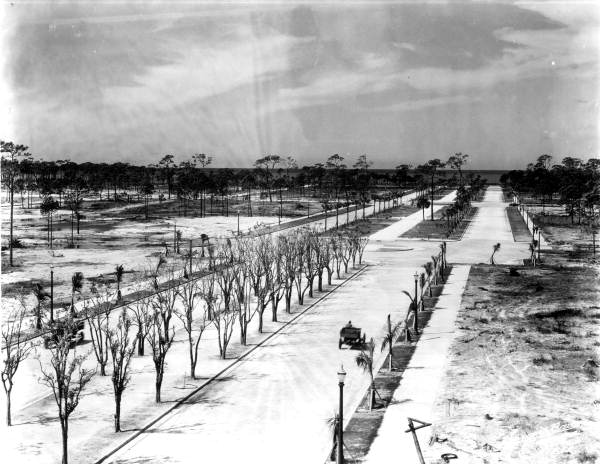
(76, 286)
(389, 338)
(423, 203)
(495, 248)
(532, 247)
(119, 271)
(333, 423)
(41, 295)
(365, 360)
(428, 270)
(413, 305)
(47, 208)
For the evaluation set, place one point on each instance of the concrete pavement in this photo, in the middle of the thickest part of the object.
(418, 390)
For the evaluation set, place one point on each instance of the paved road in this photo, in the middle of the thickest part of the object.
(416, 395)
(275, 404)
(489, 226)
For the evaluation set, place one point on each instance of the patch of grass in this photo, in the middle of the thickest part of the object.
(541, 360)
(586, 456)
(515, 420)
(567, 312)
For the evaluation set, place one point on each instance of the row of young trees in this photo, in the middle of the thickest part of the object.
(249, 276)
(573, 183)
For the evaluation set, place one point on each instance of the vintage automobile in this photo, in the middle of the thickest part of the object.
(57, 331)
(351, 336)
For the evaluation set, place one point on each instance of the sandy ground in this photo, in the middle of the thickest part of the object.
(522, 346)
(107, 239)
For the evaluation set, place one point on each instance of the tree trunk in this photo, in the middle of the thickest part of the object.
(8, 416)
(64, 425)
(140, 338)
(432, 193)
(320, 281)
(193, 359)
(273, 308)
(10, 245)
(158, 385)
(118, 412)
(260, 320)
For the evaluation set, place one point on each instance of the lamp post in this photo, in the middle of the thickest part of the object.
(415, 322)
(539, 243)
(340, 444)
(52, 293)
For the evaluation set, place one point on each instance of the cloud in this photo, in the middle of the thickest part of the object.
(137, 80)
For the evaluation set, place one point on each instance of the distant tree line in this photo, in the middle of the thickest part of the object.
(64, 184)
(573, 183)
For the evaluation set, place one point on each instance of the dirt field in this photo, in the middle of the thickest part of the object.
(108, 237)
(522, 378)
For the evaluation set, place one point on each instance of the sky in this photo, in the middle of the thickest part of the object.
(401, 82)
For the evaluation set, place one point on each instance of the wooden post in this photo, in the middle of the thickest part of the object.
(190, 258)
(412, 429)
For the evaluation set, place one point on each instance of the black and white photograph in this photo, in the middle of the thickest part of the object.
(311, 232)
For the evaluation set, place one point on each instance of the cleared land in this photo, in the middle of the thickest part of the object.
(522, 381)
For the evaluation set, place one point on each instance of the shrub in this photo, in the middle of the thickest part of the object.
(586, 456)
(17, 243)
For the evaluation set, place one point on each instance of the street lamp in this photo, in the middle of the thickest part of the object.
(539, 243)
(415, 323)
(52, 293)
(340, 444)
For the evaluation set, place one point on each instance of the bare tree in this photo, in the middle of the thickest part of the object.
(259, 269)
(15, 350)
(361, 243)
(275, 280)
(289, 267)
(66, 378)
(310, 262)
(242, 289)
(99, 321)
(224, 320)
(208, 292)
(121, 347)
(161, 333)
(329, 257)
(143, 319)
(190, 294)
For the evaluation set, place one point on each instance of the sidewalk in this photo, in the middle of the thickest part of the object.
(396, 230)
(415, 397)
